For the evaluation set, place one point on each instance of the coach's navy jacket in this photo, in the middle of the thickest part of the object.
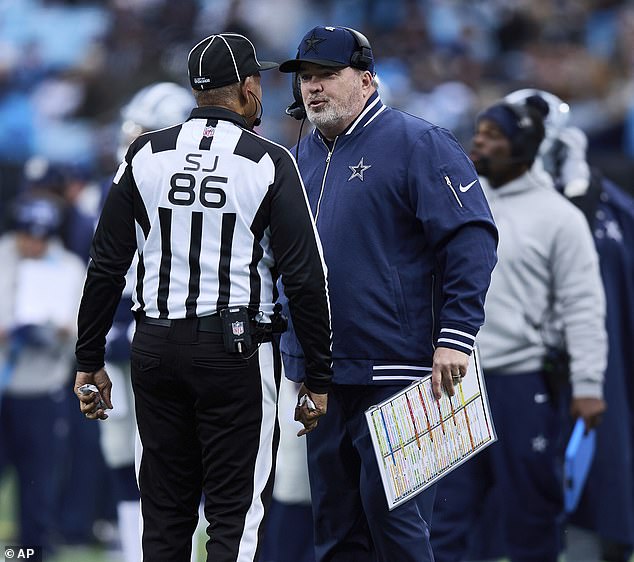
(409, 242)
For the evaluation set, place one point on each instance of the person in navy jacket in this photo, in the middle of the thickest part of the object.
(410, 243)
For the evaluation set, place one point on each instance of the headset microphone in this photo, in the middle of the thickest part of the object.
(296, 110)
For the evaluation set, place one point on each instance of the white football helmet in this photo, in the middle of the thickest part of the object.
(558, 113)
(563, 150)
(156, 106)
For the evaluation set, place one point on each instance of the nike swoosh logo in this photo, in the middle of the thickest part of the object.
(465, 188)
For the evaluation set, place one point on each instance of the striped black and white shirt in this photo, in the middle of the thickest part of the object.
(215, 213)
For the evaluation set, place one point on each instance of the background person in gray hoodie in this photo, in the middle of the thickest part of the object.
(40, 288)
(546, 287)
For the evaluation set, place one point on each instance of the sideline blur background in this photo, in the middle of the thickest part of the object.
(67, 68)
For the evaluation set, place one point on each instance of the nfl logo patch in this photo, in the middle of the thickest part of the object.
(208, 132)
(237, 328)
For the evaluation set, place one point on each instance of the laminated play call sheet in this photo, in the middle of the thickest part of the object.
(418, 439)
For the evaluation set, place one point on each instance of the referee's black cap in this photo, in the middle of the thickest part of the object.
(223, 59)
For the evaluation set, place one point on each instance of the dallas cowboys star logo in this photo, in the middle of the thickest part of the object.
(357, 171)
(312, 43)
(613, 231)
(539, 443)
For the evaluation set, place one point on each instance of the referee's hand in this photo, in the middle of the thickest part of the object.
(310, 407)
(92, 405)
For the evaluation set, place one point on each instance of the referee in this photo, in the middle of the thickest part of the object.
(215, 213)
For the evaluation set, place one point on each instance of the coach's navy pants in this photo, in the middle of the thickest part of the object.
(352, 520)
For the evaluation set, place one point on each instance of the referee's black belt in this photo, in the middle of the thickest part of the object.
(203, 324)
(212, 323)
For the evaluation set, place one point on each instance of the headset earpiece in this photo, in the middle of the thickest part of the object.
(297, 90)
(296, 110)
(362, 57)
(530, 131)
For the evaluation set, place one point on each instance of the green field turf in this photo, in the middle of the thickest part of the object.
(71, 554)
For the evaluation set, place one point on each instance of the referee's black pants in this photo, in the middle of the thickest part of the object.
(207, 421)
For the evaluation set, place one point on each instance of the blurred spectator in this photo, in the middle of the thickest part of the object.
(39, 296)
(83, 502)
(57, 57)
(65, 183)
(602, 526)
(607, 506)
(544, 337)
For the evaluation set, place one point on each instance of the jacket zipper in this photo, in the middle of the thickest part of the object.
(448, 181)
(323, 181)
(433, 310)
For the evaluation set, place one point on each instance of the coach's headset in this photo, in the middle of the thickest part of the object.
(361, 58)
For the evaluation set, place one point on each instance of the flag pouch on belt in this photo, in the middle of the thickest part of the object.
(236, 329)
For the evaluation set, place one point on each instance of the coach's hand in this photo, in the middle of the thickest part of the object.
(448, 368)
(89, 404)
(308, 413)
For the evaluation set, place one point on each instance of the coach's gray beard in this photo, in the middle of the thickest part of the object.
(332, 114)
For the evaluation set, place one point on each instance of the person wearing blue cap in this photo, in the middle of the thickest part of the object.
(40, 288)
(410, 243)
